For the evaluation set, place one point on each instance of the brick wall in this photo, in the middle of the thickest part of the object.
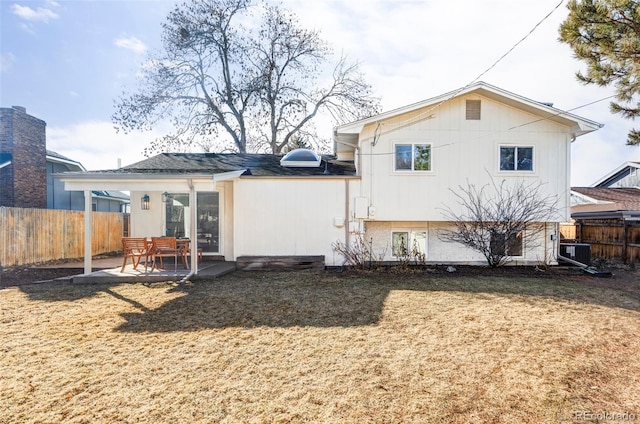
(23, 183)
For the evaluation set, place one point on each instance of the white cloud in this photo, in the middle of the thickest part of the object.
(40, 14)
(131, 43)
(414, 50)
(97, 145)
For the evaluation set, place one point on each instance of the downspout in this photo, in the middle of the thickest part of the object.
(193, 233)
(346, 213)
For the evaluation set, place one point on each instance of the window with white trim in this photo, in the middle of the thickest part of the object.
(516, 158)
(406, 243)
(412, 157)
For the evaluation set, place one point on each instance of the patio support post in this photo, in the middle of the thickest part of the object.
(193, 228)
(88, 226)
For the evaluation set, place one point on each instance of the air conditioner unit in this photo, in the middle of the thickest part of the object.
(580, 252)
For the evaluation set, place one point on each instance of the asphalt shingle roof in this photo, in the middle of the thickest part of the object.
(216, 163)
(619, 198)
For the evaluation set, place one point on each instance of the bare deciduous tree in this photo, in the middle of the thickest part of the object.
(500, 220)
(245, 70)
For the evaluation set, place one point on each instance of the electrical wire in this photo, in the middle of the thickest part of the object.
(559, 113)
(458, 91)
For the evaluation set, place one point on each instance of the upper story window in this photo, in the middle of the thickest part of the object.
(412, 157)
(514, 158)
(473, 110)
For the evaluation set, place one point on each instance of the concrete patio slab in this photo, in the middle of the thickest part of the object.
(108, 270)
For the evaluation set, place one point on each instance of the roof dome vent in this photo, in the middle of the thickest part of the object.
(301, 158)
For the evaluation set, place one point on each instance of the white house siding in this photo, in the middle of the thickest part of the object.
(378, 235)
(289, 216)
(462, 150)
(149, 223)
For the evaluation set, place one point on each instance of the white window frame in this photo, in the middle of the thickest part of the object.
(516, 147)
(411, 234)
(412, 170)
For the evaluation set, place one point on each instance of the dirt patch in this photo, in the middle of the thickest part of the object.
(28, 275)
(622, 276)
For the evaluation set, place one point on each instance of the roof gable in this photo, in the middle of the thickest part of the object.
(578, 125)
(617, 174)
(58, 158)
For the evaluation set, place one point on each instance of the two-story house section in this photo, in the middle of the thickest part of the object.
(411, 161)
(387, 181)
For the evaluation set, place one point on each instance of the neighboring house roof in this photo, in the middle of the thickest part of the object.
(75, 166)
(112, 194)
(602, 199)
(219, 163)
(579, 126)
(624, 170)
(57, 157)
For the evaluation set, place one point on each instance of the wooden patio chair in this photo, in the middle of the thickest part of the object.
(164, 247)
(135, 248)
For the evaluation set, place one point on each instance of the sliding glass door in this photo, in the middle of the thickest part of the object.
(208, 224)
(178, 219)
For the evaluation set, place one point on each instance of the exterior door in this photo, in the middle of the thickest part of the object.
(207, 226)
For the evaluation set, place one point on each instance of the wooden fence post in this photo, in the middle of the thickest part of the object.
(625, 240)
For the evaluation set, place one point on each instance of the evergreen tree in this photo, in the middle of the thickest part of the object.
(606, 35)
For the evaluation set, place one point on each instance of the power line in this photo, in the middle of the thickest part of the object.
(456, 92)
(561, 112)
(517, 44)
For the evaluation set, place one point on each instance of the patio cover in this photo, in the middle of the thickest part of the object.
(127, 181)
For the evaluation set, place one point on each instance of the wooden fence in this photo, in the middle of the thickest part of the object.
(609, 238)
(30, 236)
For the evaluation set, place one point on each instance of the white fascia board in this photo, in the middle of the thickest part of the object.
(587, 199)
(135, 182)
(228, 175)
(73, 163)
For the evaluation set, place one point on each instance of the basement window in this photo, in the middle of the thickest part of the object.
(408, 243)
(510, 245)
(473, 110)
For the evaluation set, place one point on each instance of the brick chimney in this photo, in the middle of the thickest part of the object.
(23, 159)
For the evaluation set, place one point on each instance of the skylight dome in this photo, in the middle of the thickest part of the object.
(301, 158)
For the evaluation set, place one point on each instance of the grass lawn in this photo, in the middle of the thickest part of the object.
(321, 347)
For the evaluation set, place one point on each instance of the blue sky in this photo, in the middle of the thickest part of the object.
(67, 61)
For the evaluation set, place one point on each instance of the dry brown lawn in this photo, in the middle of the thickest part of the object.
(321, 347)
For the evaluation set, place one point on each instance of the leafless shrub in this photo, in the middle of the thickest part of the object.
(499, 220)
(359, 254)
(413, 256)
